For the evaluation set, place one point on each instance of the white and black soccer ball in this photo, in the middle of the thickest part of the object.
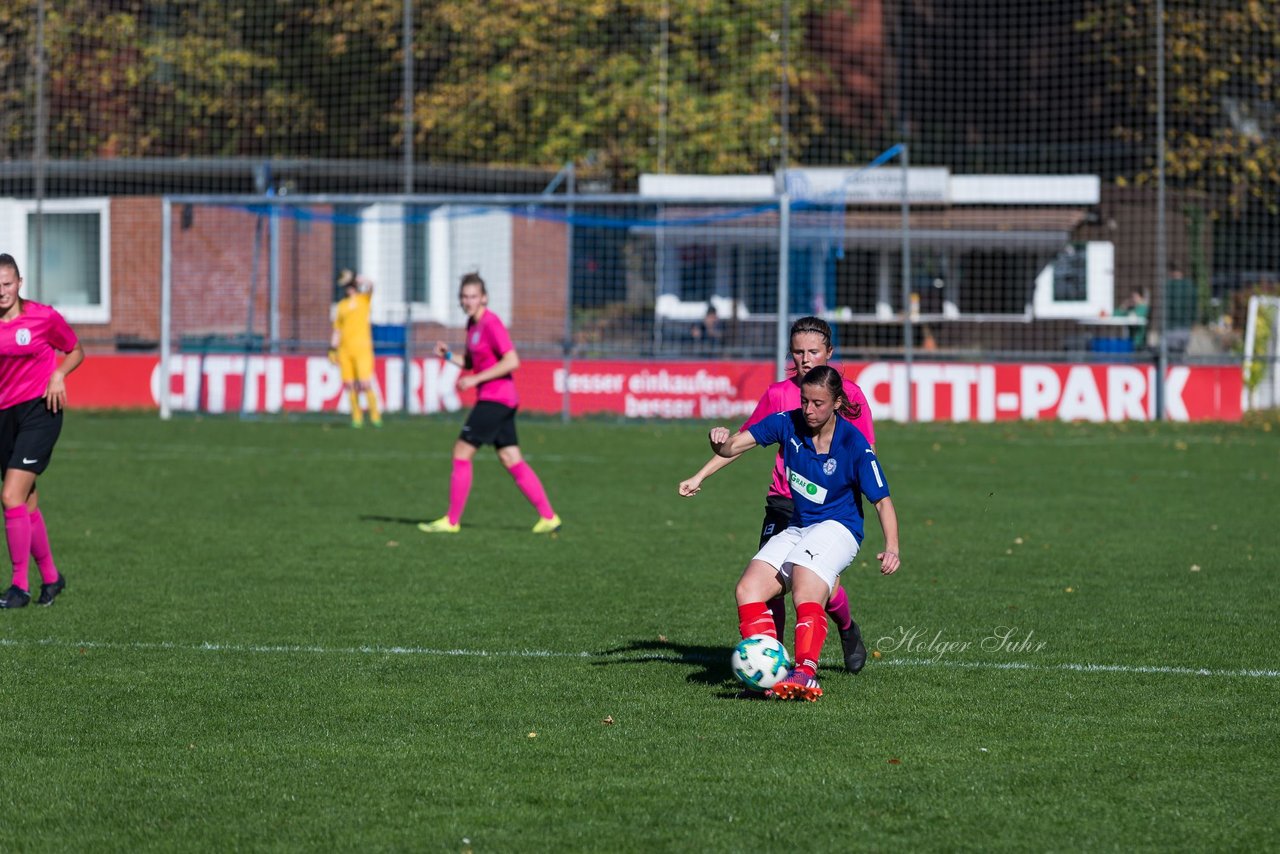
(760, 661)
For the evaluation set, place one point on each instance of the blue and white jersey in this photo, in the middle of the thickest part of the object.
(825, 486)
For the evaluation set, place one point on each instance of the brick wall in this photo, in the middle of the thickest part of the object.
(540, 276)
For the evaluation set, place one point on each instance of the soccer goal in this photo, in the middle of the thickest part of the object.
(1262, 353)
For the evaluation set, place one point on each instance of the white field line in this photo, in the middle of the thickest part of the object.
(209, 646)
(285, 649)
(180, 451)
(1080, 668)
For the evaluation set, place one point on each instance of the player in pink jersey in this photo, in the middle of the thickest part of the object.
(493, 360)
(33, 394)
(810, 347)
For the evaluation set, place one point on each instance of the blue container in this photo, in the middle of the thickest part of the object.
(389, 340)
(1110, 345)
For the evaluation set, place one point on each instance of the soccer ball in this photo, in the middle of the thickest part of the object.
(760, 662)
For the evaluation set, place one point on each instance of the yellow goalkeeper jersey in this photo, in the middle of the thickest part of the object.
(352, 323)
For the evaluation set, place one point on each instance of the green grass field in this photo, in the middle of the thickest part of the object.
(258, 651)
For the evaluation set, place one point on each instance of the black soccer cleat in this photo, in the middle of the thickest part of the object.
(855, 651)
(15, 597)
(49, 592)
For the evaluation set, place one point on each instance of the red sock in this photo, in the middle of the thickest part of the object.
(838, 609)
(754, 619)
(40, 549)
(778, 605)
(811, 633)
(17, 530)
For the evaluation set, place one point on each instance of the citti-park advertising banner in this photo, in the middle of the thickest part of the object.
(717, 390)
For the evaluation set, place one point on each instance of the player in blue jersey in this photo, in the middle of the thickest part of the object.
(829, 466)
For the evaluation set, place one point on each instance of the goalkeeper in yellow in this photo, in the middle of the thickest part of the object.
(351, 345)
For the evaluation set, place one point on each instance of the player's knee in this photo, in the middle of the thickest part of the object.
(749, 589)
(14, 496)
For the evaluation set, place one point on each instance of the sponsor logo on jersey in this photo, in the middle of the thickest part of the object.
(801, 485)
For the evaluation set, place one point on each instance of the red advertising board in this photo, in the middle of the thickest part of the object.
(725, 391)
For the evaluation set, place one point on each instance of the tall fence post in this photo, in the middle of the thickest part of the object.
(784, 287)
(41, 155)
(407, 95)
(1162, 247)
(907, 331)
(568, 293)
(166, 304)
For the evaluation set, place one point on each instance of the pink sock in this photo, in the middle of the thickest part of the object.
(459, 489)
(838, 609)
(40, 549)
(529, 484)
(17, 529)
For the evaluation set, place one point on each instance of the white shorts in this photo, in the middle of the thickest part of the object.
(826, 548)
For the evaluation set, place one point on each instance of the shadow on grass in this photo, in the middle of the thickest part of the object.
(395, 520)
(480, 528)
(710, 663)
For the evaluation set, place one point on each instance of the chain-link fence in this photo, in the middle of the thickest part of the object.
(1088, 182)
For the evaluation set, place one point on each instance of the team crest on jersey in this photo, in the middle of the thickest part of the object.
(829, 468)
(475, 337)
(23, 337)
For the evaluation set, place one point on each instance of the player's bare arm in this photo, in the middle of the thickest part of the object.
(729, 445)
(55, 393)
(889, 559)
(692, 485)
(444, 351)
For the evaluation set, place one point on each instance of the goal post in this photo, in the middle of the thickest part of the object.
(1262, 353)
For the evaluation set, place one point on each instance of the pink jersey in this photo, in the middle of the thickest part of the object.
(487, 343)
(27, 358)
(784, 396)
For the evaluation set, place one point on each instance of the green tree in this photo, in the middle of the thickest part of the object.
(621, 86)
(132, 78)
(689, 85)
(1222, 84)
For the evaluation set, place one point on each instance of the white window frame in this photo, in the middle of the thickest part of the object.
(13, 219)
(1100, 290)
(459, 240)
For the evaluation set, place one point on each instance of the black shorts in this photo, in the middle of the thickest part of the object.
(490, 424)
(777, 517)
(28, 432)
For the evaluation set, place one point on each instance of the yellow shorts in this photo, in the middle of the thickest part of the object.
(355, 366)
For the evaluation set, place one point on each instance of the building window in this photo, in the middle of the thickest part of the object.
(72, 272)
(346, 243)
(69, 270)
(417, 260)
(417, 254)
